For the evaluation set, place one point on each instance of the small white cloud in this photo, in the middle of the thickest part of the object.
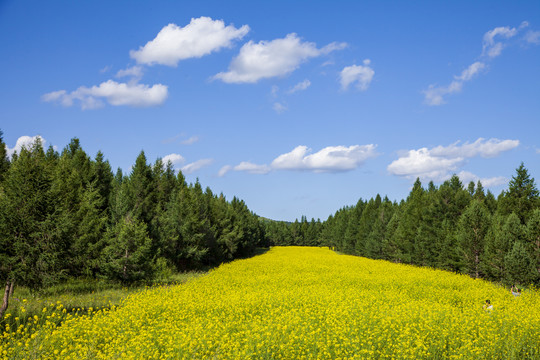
(361, 75)
(135, 72)
(190, 141)
(197, 165)
(329, 159)
(440, 162)
(117, 94)
(267, 59)
(224, 170)
(105, 69)
(434, 95)
(279, 108)
(421, 163)
(492, 48)
(533, 37)
(467, 177)
(493, 43)
(252, 168)
(23, 141)
(486, 149)
(200, 37)
(175, 159)
(301, 86)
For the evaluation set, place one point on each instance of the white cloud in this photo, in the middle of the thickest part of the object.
(421, 163)
(492, 48)
(224, 170)
(467, 177)
(23, 141)
(279, 108)
(190, 141)
(533, 37)
(267, 59)
(135, 72)
(173, 158)
(252, 168)
(440, 162)
(301, 86)
(200, 37)
(494, 41)
(357, 74)
(195, 166)
(434, 94)
(117, 94)
(330, 159)
(486, 149)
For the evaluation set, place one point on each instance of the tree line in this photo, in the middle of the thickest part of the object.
(452, 227)
(66, 215)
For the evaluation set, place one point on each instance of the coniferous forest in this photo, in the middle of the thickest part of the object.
(65, 215)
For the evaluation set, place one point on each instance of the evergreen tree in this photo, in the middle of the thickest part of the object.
(410, 220)
(504, 232)
(522, 195)
(28, 252)
(519, 266)
(472, 229)
(4, 161)
(533, 241)
(128, 255)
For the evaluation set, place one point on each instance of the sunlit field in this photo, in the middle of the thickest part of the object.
(296, 303)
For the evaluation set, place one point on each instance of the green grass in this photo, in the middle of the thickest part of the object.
(77, 296)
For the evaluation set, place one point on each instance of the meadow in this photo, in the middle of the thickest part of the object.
(295, 303)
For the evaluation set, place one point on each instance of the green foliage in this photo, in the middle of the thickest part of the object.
(127, 256)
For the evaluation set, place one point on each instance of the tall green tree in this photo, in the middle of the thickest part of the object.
(472, 229)
(128, 255)
(28, 252)
(4, 161)
(522, 196)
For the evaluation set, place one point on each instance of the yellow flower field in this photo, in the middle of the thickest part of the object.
(299, 303)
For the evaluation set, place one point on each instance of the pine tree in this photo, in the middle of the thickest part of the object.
(410, 220)
(519, 266)
(504, 232)
(128, 255)
(4, 161)
(28, 252)
(472, 229)
(522, 195)
(533, 241)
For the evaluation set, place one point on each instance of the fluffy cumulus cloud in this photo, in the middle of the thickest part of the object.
(360, 75)
(330, 159)
(200, 37)
(267, 59)
(24, 142)
(117, 94)
(494, 41)
(175, 159)
(195, 166)
(440, 162)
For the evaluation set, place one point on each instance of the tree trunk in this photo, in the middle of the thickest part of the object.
(5, 301)
(11, 289)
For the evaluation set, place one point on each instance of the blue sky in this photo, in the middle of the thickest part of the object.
(298, 108)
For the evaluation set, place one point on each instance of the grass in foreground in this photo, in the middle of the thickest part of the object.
(301, 303)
